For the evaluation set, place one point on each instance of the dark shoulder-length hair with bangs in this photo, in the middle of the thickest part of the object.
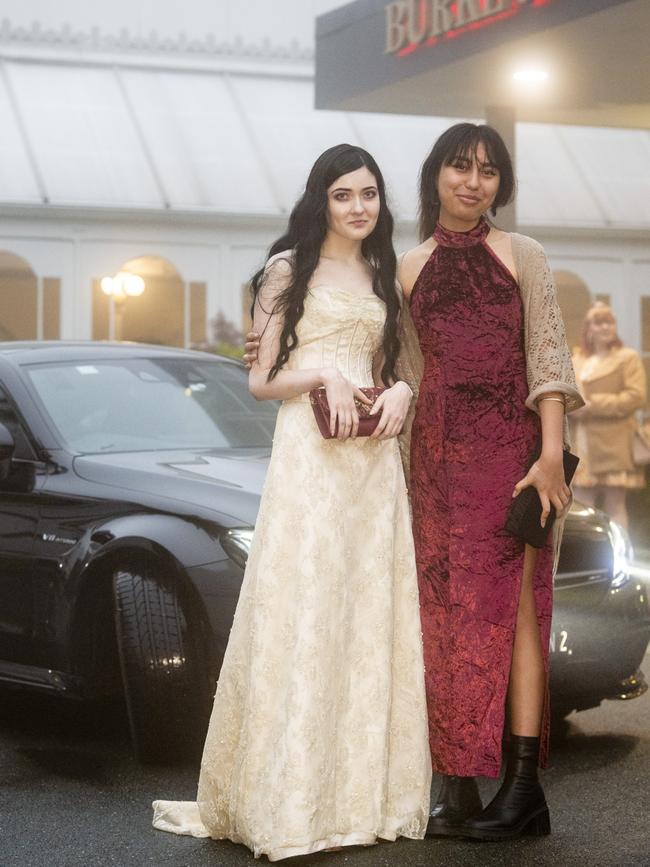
(304, 237)
(461, 141)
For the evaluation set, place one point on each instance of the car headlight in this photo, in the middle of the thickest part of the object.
(622, 551)
(237, 543)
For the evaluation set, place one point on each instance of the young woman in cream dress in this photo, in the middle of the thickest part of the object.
(318, 736)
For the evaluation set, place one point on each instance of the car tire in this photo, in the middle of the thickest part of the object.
(163, 671)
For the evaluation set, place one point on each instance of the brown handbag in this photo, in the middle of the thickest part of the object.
(367, 422)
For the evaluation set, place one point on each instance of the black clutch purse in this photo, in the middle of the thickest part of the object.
(526, 510)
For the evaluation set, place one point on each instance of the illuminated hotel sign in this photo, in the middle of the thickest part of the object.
(411, 24)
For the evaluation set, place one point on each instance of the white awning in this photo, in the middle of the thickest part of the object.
(239, 143)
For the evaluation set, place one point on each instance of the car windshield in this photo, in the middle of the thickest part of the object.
(144, 404)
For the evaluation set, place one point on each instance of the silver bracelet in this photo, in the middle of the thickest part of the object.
(558, 399)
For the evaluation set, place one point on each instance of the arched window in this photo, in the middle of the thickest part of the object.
(29, 305)
(167, 311)
(574, 299)
(18, 299)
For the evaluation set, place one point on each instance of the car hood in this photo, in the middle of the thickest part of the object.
(583, 518)
(226, 484)
(216, 484)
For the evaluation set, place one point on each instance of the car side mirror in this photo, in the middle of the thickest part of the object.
(7, 446)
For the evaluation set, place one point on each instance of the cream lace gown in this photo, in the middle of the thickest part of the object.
(318, 735)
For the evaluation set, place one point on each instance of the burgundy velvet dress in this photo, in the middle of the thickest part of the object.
(471, 441)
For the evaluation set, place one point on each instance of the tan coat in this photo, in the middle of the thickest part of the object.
(615, 387)
(548, 360)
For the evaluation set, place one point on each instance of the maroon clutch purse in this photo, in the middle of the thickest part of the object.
(367, 423)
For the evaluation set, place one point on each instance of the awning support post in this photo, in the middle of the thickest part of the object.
(503, 119)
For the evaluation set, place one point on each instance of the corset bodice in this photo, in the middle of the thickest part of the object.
(339, 329)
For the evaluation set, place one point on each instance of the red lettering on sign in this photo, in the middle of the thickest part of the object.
(492, 12)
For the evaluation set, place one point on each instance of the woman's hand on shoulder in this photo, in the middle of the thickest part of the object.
(341, 395)
(394, 405)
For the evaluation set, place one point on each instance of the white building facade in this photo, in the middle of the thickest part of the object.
(179, 159)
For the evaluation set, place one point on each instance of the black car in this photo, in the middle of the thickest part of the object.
(130, 480)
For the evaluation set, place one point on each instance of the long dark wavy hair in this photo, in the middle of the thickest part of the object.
(304, 237)
(461, 141)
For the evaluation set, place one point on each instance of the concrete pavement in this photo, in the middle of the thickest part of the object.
(72, 796)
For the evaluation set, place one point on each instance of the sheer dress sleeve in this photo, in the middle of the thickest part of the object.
(268, 319)
(548, 360)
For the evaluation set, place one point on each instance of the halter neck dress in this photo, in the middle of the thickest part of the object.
(472, 440)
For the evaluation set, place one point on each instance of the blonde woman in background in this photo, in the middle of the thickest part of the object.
(612, 380)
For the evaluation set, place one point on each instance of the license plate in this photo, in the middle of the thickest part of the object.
(560, 642)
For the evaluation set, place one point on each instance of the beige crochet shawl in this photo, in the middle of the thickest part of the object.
(548, 360)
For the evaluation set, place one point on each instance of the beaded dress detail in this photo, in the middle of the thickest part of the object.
(318, 736)
(471, 442)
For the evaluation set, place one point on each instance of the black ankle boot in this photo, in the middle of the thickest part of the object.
(519, 807)
(458, 799)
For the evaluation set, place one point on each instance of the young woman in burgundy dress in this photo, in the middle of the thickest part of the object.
(489, 360)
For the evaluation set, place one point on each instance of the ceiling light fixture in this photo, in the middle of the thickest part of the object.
(530, 75)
